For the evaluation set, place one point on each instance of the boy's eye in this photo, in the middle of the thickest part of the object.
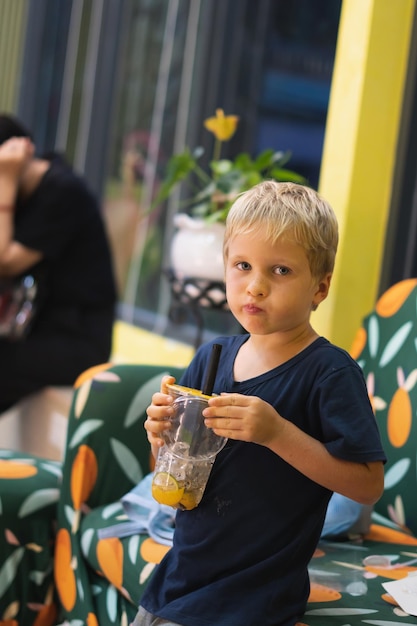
(243, 265)
(282, 271)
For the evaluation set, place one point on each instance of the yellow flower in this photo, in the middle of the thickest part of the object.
(222, 126)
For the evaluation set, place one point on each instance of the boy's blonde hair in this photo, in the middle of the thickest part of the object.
(281, 209)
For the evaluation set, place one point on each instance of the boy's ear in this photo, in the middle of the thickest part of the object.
(322, 292)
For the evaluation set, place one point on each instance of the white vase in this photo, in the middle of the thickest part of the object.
(197, 248)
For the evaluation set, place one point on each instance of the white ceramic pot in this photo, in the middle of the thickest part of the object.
(197, 248)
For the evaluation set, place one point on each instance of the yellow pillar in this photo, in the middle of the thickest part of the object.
(359, 153)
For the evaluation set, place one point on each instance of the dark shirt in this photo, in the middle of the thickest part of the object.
(62, 220)
(73, 328)
(241, 556)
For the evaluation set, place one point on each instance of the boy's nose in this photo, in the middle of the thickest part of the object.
(257, 286)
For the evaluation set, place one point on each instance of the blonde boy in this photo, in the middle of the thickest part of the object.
(300, 426)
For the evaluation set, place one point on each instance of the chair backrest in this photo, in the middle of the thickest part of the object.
(386, 348)
(107, 450)
(107, 454)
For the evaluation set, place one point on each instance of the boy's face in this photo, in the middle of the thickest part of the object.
(270, 288)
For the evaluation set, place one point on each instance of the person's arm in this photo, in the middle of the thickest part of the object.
(15, 155)
(248, 418)
(363, 482)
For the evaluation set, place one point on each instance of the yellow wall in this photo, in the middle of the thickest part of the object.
(135, 345)
(12, 27)
(359, 152)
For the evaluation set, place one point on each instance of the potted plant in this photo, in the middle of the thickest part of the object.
(197, 244)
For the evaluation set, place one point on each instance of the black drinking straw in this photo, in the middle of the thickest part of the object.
(212, 370)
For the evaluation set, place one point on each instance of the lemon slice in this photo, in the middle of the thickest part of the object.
(166, 489)
(188, 501)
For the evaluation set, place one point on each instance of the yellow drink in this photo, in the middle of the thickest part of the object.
(166, 489)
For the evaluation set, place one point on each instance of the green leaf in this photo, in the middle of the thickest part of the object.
(179, 167)
(69, 514)
(253, 178)
(133, 548)
(141, 400)
(127, 461)
(112, 602)
(342, 612)
(231, 181)
(86, 539)
(395, 344)
(396, 473)
(82, 397)
(266, 159)
(53, 467)
(84, 429)
(38, 500)
(146, 572)
(243, 162)
(115, 508)
(373, 335)
(9, 570)
(284, 175)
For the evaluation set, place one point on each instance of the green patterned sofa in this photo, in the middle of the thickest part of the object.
(42, 505)
(344, 591)
(99, 579)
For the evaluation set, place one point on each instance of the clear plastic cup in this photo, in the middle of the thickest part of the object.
(184, 463)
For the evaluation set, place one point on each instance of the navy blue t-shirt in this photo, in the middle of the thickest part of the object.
(241, 556)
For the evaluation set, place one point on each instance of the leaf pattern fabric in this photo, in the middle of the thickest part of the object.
(389, 358)
(29, 491)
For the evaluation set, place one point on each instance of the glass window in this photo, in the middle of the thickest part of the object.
(296, 77)
(269, 62)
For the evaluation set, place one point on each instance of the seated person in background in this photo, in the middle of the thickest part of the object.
(51, 227)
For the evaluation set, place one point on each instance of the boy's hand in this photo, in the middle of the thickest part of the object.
(158, 412)
(246, 418)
